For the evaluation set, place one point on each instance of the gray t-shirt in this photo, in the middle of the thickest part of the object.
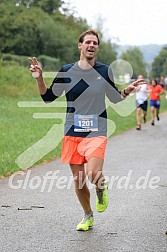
(85, 91)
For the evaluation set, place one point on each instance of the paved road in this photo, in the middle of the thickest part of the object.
(44, 218)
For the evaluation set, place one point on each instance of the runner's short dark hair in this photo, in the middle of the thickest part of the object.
(89, 32)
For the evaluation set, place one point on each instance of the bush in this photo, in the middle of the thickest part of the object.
(49, 63)
(10, 59)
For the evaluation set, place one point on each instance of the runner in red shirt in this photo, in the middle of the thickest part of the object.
(156, 91)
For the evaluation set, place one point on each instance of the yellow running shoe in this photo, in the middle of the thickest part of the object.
(86, 223)
(102, 199)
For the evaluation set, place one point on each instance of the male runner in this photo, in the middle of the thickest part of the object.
(85, 83)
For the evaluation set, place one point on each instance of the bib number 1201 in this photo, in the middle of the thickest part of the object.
(85, 123)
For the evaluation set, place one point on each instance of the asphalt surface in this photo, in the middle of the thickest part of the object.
(38, 217)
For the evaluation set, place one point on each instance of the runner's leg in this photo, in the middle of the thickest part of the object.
(144, 115)
(157, 113)
(138, 116)
(81, 188)
(152, 113)
(94, 171)
(95, 174)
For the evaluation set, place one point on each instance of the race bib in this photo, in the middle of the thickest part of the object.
(85, 123)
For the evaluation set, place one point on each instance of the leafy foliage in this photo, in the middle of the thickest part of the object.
(37, 27)
(159, 65)
(135, 57)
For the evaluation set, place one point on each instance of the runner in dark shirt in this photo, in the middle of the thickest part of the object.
(85, 83)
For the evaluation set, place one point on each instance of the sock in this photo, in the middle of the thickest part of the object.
(89, 214)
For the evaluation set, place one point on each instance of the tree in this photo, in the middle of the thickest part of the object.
(164, 72)
(27, 29)
(20, 29)
(159, 64)
(107, 53)
(135, 57)
(49, 6)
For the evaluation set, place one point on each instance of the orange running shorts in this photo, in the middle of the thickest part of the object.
(77, 150)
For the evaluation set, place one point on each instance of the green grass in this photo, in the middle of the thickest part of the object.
(19, 130)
